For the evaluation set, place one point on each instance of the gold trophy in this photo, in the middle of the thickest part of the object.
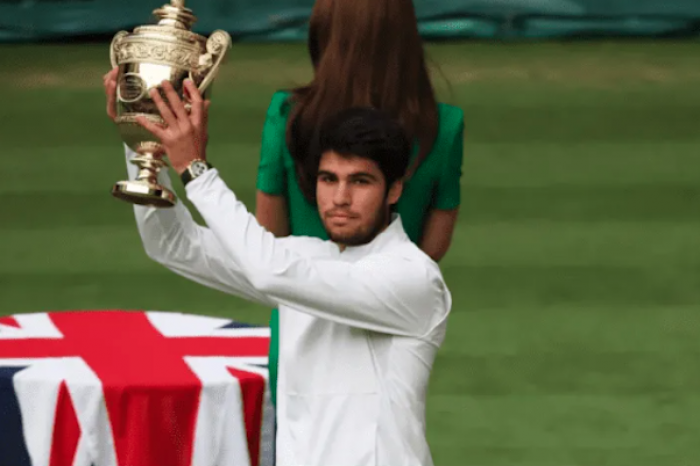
(169, 51)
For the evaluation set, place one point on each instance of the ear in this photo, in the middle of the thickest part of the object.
(395, 192)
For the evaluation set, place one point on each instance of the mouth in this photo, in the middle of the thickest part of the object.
(340, 221)
(341, 216)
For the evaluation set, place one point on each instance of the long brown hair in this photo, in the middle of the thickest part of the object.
(364, 53)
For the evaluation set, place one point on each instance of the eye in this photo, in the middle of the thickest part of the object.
(361, 181)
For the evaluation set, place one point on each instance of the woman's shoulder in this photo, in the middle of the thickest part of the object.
(450, 127)
(451, 117)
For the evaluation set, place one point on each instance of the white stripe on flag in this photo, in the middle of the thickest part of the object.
(220, 435)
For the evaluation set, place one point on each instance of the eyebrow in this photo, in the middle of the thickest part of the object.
(352, 175)
(363, 175)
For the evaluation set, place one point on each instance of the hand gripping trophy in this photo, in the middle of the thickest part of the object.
(169, 51)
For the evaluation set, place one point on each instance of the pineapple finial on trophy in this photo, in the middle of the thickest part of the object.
(175, 15)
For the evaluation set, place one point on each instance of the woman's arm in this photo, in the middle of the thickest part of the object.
(271, 209)
(441, 219)
(271, 212)
(437, 233)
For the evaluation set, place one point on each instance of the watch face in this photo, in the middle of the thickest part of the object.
(197, 168)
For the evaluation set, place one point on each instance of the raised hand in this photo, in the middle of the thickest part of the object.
(184, 134)
(110, 85)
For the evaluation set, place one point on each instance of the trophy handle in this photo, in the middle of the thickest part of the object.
(114, 47)
(217, 45)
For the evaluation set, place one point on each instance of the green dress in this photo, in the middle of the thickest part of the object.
(435, 185)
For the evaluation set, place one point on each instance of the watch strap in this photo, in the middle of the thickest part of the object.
(188, 176)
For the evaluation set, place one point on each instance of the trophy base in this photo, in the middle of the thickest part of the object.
(143, 193)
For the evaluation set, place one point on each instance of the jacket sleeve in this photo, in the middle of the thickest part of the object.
(384, 293)
(172, 238)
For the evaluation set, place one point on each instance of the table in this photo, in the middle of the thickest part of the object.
(133, 388)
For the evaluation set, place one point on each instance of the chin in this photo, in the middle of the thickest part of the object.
(347, 239)
(351, 235)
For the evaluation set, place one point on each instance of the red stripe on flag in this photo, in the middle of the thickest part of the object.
(9, 321)
(219, 346)
(66, 430)
(252, 393)
(36, 348)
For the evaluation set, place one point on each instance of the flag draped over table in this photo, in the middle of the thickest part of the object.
(133, 388)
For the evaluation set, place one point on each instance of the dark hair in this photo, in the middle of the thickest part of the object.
(368, 133)
(364, 53)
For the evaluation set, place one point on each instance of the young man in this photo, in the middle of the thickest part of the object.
(361, 316)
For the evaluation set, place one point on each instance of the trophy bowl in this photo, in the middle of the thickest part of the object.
(168, 50)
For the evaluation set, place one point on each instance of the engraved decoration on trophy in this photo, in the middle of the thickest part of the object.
(168, 50)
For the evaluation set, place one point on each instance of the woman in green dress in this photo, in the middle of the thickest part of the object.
(364, 53)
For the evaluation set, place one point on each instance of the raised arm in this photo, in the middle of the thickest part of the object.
(171, 237)
(386, 294)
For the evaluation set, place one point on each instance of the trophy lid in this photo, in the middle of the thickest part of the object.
(175, 15)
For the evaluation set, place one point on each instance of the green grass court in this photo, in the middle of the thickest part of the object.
(575, 268)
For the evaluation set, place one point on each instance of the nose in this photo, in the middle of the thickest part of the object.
(341, 196)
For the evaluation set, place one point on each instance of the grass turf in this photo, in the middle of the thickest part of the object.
(575, 267)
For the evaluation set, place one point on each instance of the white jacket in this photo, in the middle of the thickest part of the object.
(359, 329)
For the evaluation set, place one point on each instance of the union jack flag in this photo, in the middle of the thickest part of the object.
(133, 388)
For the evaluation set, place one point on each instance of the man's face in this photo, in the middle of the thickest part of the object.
(352, 198)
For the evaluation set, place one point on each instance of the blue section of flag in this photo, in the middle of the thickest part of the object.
(13, 449)
(235, 324)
